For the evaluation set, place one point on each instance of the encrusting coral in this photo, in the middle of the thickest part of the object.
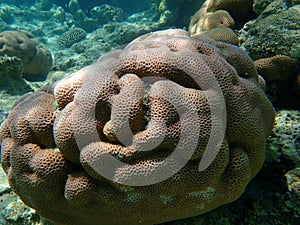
(149, 103)
(36, 58)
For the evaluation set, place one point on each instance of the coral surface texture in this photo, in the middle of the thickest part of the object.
(105, 145)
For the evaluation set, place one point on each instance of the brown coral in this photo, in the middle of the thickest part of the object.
(36, 58)
(220, 13)
(210, 20)
(278, 67)
(224, 34)
(151, 104)
(236, 8)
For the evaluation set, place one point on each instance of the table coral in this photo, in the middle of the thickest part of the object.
(151, 104)
(36, 58)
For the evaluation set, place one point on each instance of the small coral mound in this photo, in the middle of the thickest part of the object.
(90, 148)
(67, 39)
(224, 34)
(219, 13)
(210, 20)
(36, 58)
(278, 67)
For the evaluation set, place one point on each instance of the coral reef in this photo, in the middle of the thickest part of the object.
(220, 13)
(210, 20)
(272, 39)
(293, 180)
(12, 85)
(80, 17)
(283, 143)
(61, 181)
(128, 21)
(272, 196)
(176, 12)
(12, 209)
(223, 34)
(36, 58)
(275, 31)
(107, 13)
(278, 67)
(10, 67)
(71, 37)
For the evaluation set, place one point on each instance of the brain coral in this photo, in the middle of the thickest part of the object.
(36, 58)
(71, 37)
(146, 107)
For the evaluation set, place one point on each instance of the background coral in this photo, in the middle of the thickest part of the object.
(107, 13)
(276, 32)
(54, 177)
(10, 67)
(283, 143)
(278, 67)
(273, 33)
(176, 12)
(220, 13)
(36, 58)
(12, 85)
(71, 37)
(224, 34)
(293, 180)
(210, 20)
(238, 9)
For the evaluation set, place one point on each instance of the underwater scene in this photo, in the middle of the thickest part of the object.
(171, 112)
